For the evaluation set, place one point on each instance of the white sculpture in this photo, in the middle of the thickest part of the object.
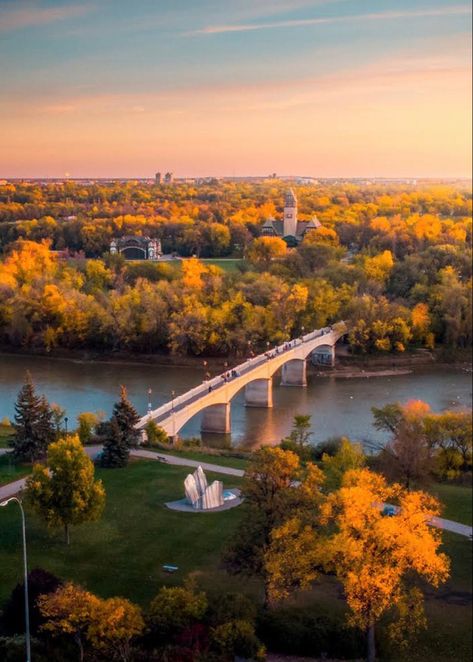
(201, 495)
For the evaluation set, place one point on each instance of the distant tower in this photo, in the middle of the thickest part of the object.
(290, 214)
(168, 178)
(157, 178)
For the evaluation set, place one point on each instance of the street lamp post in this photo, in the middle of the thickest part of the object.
(149, 400)
(173, 394)
(65, 423)
(25, 570)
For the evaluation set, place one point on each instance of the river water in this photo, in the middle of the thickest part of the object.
(338, 406)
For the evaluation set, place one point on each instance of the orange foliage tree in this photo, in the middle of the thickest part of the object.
(375, 556)
(107, 626)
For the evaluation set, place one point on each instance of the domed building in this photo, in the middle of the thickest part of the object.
(136, 247)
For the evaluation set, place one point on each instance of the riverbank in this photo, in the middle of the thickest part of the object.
(346, 363)
(359, 372)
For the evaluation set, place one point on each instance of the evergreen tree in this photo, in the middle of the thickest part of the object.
(33, 425)
(115, 449)
(126, 417)
(46, 423)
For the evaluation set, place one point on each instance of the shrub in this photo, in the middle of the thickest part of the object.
(232, 607)
(237, 638)
(40, 582)
(328, 447)
(155, 435)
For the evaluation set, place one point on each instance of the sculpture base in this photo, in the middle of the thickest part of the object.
(184, 507)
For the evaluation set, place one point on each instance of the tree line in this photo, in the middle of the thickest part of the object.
(197, 309)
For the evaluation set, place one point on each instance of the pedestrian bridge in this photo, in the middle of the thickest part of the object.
(214, 396)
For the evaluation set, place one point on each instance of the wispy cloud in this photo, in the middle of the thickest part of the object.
(14, 17)
(456, 10)
(401, 77)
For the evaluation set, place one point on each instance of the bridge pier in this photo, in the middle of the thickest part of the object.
(216, 419)
(259, 393)
(294, 373)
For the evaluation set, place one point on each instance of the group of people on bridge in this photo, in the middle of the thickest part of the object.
(232, 374)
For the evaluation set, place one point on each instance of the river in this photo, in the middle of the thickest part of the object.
(338, 406)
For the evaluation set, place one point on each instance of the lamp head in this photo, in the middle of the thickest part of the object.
(7, 501)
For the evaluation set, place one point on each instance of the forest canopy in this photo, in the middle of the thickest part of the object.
(393, 260)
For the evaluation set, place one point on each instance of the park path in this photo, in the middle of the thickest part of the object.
(13, 488)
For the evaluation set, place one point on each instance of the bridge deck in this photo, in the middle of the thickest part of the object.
(288, 350)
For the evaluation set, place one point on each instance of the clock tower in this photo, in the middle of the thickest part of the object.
(290, 214)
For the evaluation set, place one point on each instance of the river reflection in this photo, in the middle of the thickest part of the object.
(338, 406)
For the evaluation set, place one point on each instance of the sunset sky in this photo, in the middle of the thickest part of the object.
(114, 88)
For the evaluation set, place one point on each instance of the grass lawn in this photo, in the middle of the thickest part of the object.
(224, 461)
(457, 501)
(227, 264)
(123, 553)
(10, 471)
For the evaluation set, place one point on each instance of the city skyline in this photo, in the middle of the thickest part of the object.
(328, 88)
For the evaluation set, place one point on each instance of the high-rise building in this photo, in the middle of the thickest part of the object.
(157, 178)
(168, 178)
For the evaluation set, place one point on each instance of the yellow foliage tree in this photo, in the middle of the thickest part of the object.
(65, 491)
(379, 267)
(107, 626)
(264, 250)
(373, 555)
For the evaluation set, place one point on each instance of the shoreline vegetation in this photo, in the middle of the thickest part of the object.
(348, 366)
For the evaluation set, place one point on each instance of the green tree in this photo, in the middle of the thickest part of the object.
(237, 639)
(299, 438)
(65, 492)
(155, 434)
(349, 456)
(88, 421)
(116, 451)
(176, 608)
(58, 414)
(126, 417)
(33, 425)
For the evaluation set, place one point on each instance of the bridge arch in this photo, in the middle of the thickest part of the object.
(255, 375)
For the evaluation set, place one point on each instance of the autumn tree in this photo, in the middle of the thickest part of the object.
(155, 434)
(450, 434)
(375, 557)
(69, 611)
(88, 421)
(115, 624)
(65, 492)
(408, 455)
(276, 487)
(264, 250)
(106, 626)
(33, 424)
